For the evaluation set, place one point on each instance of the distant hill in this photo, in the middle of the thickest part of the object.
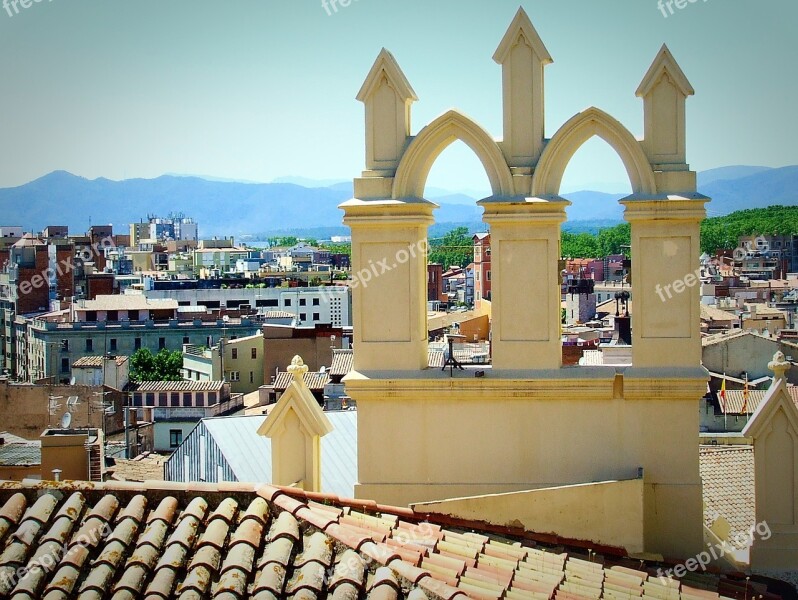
(254, 209)
(728, 173)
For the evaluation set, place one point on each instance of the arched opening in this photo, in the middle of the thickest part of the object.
(594, 180)
(456, 274)
(423, 151)
(561, 148)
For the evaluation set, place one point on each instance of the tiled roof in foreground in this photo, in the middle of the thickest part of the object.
(125, 541)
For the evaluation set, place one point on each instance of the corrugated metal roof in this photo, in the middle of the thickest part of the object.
(250, 455)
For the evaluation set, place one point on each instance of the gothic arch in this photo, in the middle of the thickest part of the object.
(420, 155)
(569, 138)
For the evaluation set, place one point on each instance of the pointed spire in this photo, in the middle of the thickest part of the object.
(521, 30)
(386, 70)
(523, 57)
(664, 90)
(388, 97)
(664, 63)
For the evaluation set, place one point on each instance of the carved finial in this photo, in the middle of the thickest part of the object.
(779, 366)
(298, 368)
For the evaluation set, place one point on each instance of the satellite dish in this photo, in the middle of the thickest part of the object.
(66, 420)
(72, 381)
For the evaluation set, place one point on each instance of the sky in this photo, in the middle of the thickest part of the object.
(260, 89)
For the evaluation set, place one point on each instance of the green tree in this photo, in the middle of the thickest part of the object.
(454, 248)
(164, 366)
(338, 248)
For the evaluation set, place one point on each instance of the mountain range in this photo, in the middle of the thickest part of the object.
(294, 204)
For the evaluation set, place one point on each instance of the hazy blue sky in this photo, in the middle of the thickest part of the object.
(258, 89)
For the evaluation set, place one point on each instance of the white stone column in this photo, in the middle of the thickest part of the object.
(525, 289)
(389, 269)
(666, 326)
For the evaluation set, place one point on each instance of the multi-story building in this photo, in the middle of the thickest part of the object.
(326, 305)
(767, 256)
(33, 273)
(238, 361)
(173, 227)
(47, 345)
(482, 281)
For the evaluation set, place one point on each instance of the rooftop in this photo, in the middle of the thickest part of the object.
(19, 452)
(727, 474)
(126, 302)
(89, 362)
(180, 386)
(161, 541)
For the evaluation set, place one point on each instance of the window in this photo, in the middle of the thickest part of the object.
(315, 302)
(174, 400)
(161, 343)
(303, 316)
(133, 315)
(175, 438)
(234, 353)
(89, 345)
(251, 377)
(137, 343)
(235, 376)
(65, 365)
(303, 302)
(488, 275)
(287, 302)
(112, 344)
(162, 399)
(186, 340)
(150, 399)
(211, 398)
(316, 316)
(254, 353)
(200, 399)
(112, 315)
(186, 398)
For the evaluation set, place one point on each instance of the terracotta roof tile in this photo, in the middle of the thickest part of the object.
(165, 512)
(226, 510)
(309, 577)
(14, 508)
(198, 543)
(215, 534)
(72, 507)
(271, 579)
(42, 509)
(278, 552)
(727, 474)
(285, 526)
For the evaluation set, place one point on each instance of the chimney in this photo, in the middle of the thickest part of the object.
(623, 330)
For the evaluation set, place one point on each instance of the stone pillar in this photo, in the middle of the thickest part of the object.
(525, 243)
(666, 330)
(389, 297)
